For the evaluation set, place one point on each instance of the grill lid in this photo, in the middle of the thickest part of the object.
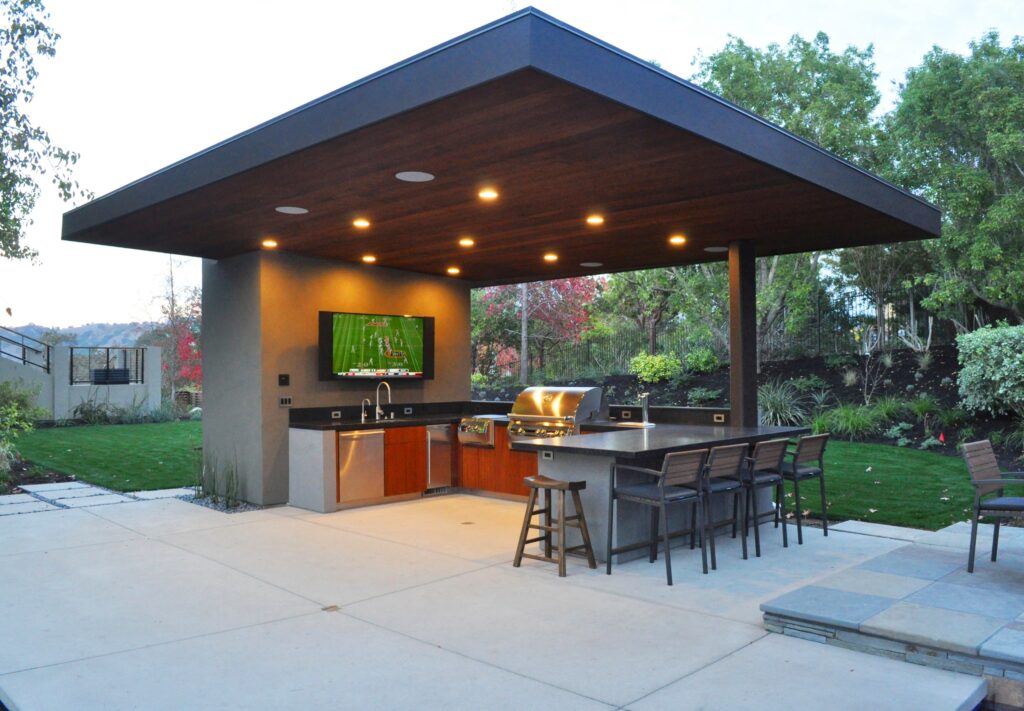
(556, 403)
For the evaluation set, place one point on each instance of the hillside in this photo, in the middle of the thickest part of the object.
(95, 334)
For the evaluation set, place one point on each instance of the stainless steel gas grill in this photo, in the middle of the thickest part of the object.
(554, 412)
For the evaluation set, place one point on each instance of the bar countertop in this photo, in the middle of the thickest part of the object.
(655, 441)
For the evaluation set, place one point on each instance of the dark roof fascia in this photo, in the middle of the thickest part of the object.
(526, 39)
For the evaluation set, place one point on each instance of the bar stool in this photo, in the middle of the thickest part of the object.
(764, 471)
(810, 450)
(578, 520)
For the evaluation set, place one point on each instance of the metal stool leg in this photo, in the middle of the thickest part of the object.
(547, 522)
(757, 522)
(702, 524)
(780, 510)
(652, 554)
(526, 527)
(799, 511)
(668, 553)
(995, 540)
(561, 534)
(824, 501)
(611, 526)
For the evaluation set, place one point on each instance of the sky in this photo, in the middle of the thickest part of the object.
(136, 86)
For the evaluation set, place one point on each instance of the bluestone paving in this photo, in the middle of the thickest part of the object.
(979, 601)
(868, 582)
(163, 493)
(836, 607)
(916, 562)
(935, 627)
(881, 530)
(76, 493)
(1007, 644)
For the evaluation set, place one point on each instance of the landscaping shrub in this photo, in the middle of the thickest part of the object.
(992, 369)
(781, 403)
(809, 383)
(701, 360)
(925, 407)
(890, 408)
(17, 413)
(702, 396)
(853, 421)
(834, 361)
(899, 432)
(655, 368)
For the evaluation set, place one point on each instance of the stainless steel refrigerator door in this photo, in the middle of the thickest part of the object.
(360, 465)
(439, 456)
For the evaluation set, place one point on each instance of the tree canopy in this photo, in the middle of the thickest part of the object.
(27, 155)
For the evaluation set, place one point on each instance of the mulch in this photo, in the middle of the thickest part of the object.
(23, 472)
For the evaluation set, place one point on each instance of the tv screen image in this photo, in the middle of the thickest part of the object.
(376, 346)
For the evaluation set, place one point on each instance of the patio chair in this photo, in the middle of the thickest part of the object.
(807, 461)
(678, 482)
(764, 471)
(988, 479)
(723, 476)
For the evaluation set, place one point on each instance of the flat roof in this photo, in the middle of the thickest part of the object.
(561, 125)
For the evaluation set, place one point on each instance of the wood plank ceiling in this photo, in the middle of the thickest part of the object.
(554, 152)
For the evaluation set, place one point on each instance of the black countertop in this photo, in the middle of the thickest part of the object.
(633, 442)
(371, 424)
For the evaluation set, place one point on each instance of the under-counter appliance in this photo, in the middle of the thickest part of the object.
(478, 430)
(554, 412)
(360, 465)
(439, 456)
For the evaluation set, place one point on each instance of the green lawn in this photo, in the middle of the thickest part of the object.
(119, 457)
(896, 485)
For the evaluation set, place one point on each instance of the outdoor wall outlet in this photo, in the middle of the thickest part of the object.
(718, 417)
(335, 414)
(284, 401)
(407, 410)
(547, 455)
(627, 414)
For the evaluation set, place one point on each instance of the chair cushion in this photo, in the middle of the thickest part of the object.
(719, 485)
(652, 492)
(763, 478)
(1004, 503)
(802, 472)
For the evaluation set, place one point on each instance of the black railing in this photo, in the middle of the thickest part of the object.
(107, 365)
(24, 349)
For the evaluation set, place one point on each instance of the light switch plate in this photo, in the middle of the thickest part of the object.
(547, 455)
(718, 417)
(284, 401)
(335, 414)
(627, 414)
(407, 410)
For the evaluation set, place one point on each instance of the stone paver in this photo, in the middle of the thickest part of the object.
(58, 486)
(100, 500)
(76, 493)
(17, 499)
(935, 627)
(837, 607)
(881, 530)
(868, 582)
(162, 493)
(1007, 643)
(27, 508)
(917, 562)
(978, 601)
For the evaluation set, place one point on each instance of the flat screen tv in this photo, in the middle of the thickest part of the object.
(354, 346)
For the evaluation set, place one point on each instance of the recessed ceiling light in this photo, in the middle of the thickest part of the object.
(269, 243)
(454, 270)
(414, 176)
(550, 257)
(369, 258)
(361, 223)
(591, 265)
(716, 250)
(595, 219)
(466, 242)
(291, 210)
(488, 194)
(677, 240)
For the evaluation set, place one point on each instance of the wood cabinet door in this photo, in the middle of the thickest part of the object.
(405, 460)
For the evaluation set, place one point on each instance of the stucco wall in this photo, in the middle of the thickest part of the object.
(31, 377)
(277, 296)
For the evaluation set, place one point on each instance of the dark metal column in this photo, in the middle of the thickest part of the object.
(742, 334)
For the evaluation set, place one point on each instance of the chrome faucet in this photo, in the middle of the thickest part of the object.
(643, 403)
(362, 409)
(380, 411)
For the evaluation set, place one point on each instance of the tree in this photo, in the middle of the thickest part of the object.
(178, 336)
(959, 132)
(648, 298)
(26, 153)
(56, 337)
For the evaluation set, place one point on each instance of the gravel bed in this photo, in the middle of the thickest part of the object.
(220, 505)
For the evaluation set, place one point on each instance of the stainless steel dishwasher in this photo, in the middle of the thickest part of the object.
(360, 465)
(439, 456)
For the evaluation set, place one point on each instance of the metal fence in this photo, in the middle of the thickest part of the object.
(24, 349)
(838, 322)
(101, 365)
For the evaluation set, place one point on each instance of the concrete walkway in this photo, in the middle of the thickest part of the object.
(166, 605)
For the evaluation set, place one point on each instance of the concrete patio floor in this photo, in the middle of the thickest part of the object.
(162, 604)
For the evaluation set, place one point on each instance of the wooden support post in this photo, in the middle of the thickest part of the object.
(742, 334)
